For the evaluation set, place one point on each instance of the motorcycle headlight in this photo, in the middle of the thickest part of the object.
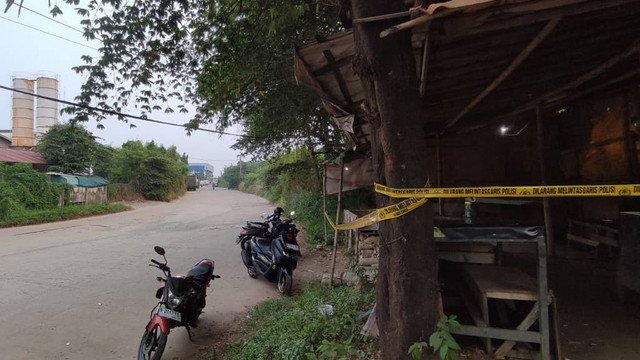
(173, 301)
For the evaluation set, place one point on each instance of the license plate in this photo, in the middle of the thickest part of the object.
(293, 247)
(169, 314)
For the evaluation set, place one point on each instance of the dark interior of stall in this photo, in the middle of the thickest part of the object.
(517, 94)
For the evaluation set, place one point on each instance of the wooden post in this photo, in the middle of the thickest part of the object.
(324, 200)
(439, 172)
(542, 157)
(630, 149)
(336, 233)
(543, 301)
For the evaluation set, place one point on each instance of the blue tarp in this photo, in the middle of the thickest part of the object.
(78, 180)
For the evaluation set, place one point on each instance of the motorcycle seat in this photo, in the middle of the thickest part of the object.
(202, 271)
(263, 241)
(257, 224)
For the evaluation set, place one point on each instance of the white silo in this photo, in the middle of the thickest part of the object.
(22, 113)
(47, 110)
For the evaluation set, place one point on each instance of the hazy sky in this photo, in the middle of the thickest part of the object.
(27, 51)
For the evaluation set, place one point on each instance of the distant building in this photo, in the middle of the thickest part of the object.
(5, 138)
(31, 118)
(22, 156)
(202, 168)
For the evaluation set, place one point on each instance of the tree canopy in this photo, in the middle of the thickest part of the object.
(231, 59)
(70, 147)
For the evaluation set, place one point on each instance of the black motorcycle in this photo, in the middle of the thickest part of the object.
(181, 301)
(270, 249)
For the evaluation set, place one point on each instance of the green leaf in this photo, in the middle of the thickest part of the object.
(435, 340)
(443, 352)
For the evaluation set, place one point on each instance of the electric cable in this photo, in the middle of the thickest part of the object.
(115, 113)
(48, 33)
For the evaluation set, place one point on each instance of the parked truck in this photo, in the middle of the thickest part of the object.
(192, 183)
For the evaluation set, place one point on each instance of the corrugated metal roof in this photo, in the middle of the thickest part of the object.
(21, 156)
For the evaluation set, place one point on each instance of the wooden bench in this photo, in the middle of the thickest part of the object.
(592, 235)
(507, 284)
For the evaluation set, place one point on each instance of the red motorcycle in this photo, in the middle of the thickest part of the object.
(182, 299)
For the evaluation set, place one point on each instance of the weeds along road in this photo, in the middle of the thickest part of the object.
(82, 289)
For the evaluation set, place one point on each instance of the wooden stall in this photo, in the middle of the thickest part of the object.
(521, 92)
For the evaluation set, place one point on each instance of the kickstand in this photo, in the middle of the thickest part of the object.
(189, 333)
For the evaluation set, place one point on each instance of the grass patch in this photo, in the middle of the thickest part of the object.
(29, 217)
(293, 328)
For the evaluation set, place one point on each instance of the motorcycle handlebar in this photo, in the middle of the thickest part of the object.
(160, 265)
(156, 262)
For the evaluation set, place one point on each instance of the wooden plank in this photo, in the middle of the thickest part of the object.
(512, 295)
(370, 328)
(338, 76)
(368, 261)
(528, 321)
(334, 66)
(336, 233)
(542, 160)
(537, 40)
(425, 64)
(557, 8)
(501, 281)
(474, 312)
(583, 240)
(543, 321)
(593, 225)
(497, 333)
(467, 257)
(605, 240)
(602, 68)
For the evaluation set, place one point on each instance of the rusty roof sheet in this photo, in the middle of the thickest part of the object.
(21, 156)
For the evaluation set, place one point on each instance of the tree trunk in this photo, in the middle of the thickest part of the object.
(407, 280)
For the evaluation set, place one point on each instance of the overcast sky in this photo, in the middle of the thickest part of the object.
(28, 51)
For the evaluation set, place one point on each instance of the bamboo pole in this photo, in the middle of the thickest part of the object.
(324, 201)
(542, 156)
(439, 172)
(630, 151)
(336, 233)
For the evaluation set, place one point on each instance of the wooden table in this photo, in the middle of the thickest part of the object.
(502, 283)
(520, 334)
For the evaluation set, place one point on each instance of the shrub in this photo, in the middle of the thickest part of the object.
(27, 188)
(157, 173)
(294, 328)
(123, 192)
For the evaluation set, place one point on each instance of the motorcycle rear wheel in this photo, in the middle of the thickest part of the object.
(285, 281)
(152, 344)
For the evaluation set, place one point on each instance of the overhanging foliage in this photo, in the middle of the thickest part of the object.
(230, 58)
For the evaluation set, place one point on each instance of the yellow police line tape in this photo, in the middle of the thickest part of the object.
(512, 191)
(385, 213)
(416, 197)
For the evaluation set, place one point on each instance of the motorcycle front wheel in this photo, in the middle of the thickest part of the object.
(152, 344)
(285, 281)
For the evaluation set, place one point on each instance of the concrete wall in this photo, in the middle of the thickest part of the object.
(88, 195)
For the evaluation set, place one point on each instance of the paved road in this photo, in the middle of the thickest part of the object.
(82, 289)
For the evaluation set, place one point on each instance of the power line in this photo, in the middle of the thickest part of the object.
(48, 33)
(115, 113)
(52, 19)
